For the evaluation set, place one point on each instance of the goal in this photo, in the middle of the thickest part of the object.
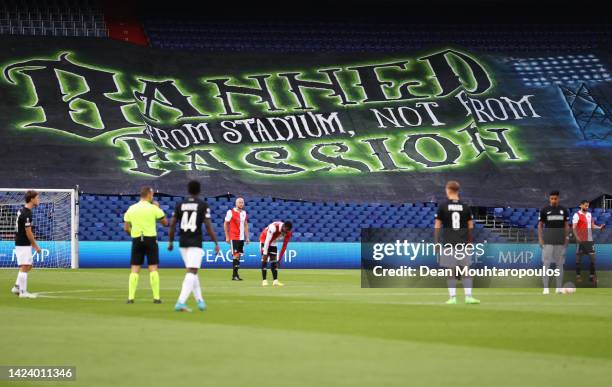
(54, 224)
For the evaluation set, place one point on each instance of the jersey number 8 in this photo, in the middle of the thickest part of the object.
(456, 218)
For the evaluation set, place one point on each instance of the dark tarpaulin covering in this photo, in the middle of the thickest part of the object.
(72, 111)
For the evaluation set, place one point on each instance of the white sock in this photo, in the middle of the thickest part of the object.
(197, 290)
(467, 286)
(17, 279)
(22, 280)
(545, 276)
(186, 289)
(559, 279)
(452, 286)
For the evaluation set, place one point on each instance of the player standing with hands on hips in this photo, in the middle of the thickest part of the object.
(553, 230)
(24, 242)
(192, 213)
(236, 227)
(141, 224)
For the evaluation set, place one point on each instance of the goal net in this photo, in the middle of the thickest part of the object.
(54, 224)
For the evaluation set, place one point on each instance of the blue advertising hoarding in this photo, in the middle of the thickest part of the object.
(299, 255)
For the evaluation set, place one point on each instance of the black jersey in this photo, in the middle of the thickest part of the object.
(190, 214)
(454, 216)
(554, 219)
(24, 220)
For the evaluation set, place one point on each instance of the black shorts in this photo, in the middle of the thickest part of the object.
(585, 248)
(272, 251)
(237, 246)
(146, 246)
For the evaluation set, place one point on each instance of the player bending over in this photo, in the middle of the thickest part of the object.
(456, 218)
(553, 233)
(236, 227)
(269, 250)
(582, 224)
(192, 212)
(141, 224)
(24, 242)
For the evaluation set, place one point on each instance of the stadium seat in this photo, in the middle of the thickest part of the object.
(101, 217)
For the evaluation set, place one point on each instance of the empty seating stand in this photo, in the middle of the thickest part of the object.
(101, 217)
(52, 18)
(181, 32)
(527, 218)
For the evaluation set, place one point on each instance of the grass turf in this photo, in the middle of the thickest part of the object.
(320, 329)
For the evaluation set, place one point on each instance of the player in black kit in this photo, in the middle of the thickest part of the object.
(456, 219)
(24, 243)
(191, 213)
(553, 231)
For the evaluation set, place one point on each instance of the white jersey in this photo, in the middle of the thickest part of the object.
(582, 222)
(237, 221)
(271, 234)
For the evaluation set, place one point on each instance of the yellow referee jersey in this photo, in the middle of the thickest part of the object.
(143, 217)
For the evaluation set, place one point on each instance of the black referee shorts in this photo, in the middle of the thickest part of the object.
(145, 246)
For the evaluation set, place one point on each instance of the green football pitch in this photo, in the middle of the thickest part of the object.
(321, 329)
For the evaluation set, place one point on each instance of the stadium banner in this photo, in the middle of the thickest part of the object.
(111, 117)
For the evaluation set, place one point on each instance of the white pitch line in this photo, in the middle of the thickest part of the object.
(79, 298)
(359, 292)
(68, 291)
(366, 296)
(94, 290)
(431, 303)
(57, 295)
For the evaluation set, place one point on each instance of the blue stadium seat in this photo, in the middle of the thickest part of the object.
(101, 217)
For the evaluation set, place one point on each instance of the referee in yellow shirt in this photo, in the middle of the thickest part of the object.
(141, 224)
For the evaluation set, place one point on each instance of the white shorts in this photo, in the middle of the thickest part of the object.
(192, 256)
(24, 255)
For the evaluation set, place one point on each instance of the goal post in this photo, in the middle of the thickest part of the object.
(55, 224)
